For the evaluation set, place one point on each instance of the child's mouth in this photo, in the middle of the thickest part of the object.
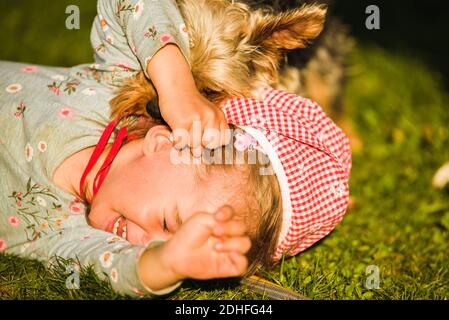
(119, 227)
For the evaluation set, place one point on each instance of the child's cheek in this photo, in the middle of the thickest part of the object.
(136, 235)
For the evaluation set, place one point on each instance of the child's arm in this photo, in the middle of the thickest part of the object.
(151, 36)
(205, 247)
(113, 259)
(128, 33)
(181, 104)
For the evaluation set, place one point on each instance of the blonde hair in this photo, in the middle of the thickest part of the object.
(265, 190)
(257, 200)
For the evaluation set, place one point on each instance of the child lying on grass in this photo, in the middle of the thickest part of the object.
(59, 151)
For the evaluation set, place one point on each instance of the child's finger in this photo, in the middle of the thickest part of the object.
(211, 138)
(224, 213)
(197, 151)
(240, 263)
(230, 229)
(196, 135)
(238, 244)
(180, 138)
(226, 134)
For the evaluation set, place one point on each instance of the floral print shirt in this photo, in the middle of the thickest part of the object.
(49, 113)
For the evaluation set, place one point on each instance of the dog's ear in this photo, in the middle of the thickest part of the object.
(292, 29)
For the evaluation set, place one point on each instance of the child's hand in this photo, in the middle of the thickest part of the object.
(205, 247)
(209, 246)
(196, 122)
(186, 111)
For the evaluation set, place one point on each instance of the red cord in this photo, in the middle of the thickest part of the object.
(121, 137)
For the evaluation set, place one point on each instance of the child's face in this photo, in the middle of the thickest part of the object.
(146, 188)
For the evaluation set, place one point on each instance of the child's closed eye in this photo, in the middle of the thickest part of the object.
(165, 226)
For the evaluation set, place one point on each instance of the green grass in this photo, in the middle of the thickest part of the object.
(400, 223)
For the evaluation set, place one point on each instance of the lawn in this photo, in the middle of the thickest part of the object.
(399, 223)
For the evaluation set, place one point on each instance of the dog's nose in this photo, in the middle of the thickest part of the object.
(154, 111)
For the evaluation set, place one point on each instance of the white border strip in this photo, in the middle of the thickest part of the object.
(282, 178)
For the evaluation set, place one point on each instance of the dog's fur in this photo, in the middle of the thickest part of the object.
(234, 49)
(319, 71)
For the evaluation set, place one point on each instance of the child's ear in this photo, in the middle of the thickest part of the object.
(292, 29)
(157, 139)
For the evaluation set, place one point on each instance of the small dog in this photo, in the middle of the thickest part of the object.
(320, 71)
(234, 49)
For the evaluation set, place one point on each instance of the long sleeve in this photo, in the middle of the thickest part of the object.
(38, 222)
(128, 33)
(112, 258)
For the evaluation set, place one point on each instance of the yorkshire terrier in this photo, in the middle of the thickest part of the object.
(238, 45)
(234, 49)
(320, 71)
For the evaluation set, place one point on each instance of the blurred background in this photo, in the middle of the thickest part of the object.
(411, 28)
(396, 100)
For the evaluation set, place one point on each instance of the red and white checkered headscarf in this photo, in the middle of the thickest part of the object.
(311, 157)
